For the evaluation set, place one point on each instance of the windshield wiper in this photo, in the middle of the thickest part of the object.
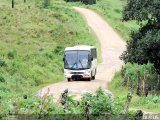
(74, 64)
(81, 63)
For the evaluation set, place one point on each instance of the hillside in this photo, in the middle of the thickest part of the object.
(32, 40)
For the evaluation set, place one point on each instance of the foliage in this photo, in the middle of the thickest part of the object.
(133, 71)
(142, 10)
(144, 44)
(144, 47)
(46, 3)
(31, 107)
(101, 103)
(149, 103)
(2, 63)
(101, 106)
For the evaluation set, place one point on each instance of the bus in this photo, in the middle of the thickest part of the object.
(80, 62)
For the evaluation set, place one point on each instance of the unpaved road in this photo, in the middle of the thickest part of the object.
(112, 47)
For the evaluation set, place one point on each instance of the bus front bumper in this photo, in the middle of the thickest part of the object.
(77, 74)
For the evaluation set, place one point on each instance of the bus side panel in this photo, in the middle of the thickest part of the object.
(94, 62)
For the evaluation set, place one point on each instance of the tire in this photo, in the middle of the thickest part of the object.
(69, 79)
(93, 77)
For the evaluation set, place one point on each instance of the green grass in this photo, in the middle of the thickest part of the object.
(151, 103)
(32, 41)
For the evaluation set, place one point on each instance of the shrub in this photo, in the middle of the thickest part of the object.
(46, 3)
(101, 103)
(58, 50)
(2, 78)
(12, 54)
(2, 63)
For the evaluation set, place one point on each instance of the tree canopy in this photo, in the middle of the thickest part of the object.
(144, 45)
(142, 10)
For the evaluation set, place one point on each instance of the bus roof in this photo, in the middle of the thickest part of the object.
(80, 47)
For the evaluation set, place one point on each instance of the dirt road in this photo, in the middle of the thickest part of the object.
(112, 47)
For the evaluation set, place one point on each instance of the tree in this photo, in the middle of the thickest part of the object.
(144, 45)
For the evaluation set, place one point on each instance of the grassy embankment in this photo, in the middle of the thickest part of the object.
(32, 41)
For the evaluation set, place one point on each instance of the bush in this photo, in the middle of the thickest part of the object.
(2, 78)
(2, 63)
(46, 3)
(12, 54)
(101, 103)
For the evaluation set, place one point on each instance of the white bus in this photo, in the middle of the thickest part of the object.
(80, 62)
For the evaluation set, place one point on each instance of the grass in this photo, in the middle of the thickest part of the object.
(151, 103)
(32, 40)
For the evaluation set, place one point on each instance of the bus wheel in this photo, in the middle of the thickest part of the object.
(69, 79)
(93, 77)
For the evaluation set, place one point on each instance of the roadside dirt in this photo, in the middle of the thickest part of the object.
(112, 47)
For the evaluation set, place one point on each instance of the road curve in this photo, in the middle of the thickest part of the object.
(112, 47)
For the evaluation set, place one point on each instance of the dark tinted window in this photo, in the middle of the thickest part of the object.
(94, 53)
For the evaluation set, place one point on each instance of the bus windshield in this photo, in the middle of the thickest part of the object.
(77, 60)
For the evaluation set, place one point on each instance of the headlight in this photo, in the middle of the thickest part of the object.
(67, 72)
(87, 72)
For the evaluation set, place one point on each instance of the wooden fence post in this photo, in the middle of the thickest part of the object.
(158, 82)
(144, 84)
(87, 109)
(138, 91)
(64, 97)
(131, 86)
(128, 101)
(12, 3)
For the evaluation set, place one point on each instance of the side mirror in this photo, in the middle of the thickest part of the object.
(63, 59)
